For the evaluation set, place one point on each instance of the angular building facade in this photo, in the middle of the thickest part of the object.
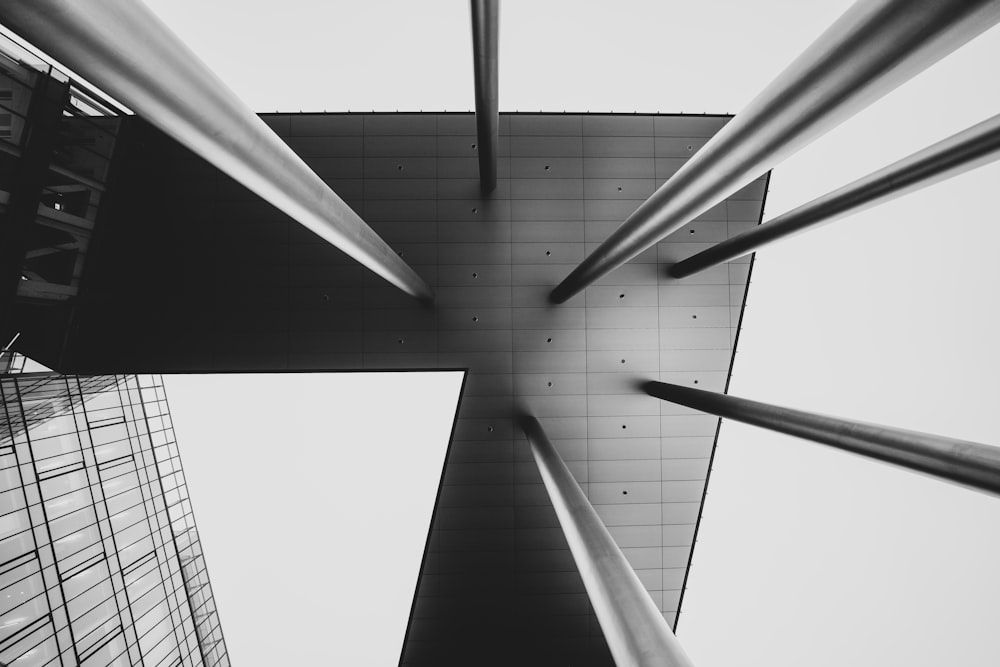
(219, 280)
(186, 270)
(100, 561)
(217, 244)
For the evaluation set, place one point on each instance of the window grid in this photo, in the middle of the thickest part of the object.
(100, 561)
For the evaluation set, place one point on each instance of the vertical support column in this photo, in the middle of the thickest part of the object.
(123, 48)
(970, 148)
(41, 130)
(870, 50)
(634, 628)
(485, 45)
(967, 463)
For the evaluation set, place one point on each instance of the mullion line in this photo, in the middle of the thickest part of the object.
(48, 531)
(156, 517)
(111, 536)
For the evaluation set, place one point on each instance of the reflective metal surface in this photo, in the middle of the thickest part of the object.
(485, 41)
(874, 47)
(971, 148)
(633, 627)
(123, 48)
(967, 463)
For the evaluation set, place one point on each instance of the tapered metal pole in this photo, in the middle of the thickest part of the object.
(120, 46)
(873, 48)
(485, 45)
(635, 630)
(971, 148)
(967, 463)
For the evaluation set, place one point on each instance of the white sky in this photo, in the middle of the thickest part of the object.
(312, 506)
(806, 556)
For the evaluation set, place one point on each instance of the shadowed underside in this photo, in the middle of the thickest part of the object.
(192, 273)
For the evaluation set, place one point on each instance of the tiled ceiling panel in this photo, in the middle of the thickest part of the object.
(197, 274)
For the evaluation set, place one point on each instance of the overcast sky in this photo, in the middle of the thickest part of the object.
(805, 556)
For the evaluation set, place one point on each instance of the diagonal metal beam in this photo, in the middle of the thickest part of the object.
(636, 632)
(870, 50)
(967, 463)
(959, 153)
(122, 47)
(485, 42)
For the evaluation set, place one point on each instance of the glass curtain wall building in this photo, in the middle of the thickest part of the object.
(100, 562)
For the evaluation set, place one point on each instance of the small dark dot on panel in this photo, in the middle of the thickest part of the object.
(690, 231)
(624, 493)
(548, 340)
(623, 361)
(399, 252)
(400, 341)
(546, 167)
(475, 210)
(694, 317)
(550, 384)
(475, 275)
(690, 147)
(489, 428)
(475, 319)
(621, 296)
(623, 426)
(548, 253)
(399, 167)
(473, 147)
(696, 382)
(619, 188)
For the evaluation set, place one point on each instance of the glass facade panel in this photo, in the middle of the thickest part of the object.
(111, 653)
(91, 577)
(55, 445)
(13, 523)
(19, 543)
(74, 529)
(59, 464)
(68, 503)
(24, 602)
(10, 501)
(100, 562)
(116, 446)
(58, 486)
(34, 650)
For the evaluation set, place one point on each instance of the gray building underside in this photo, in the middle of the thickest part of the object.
(188, 271)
